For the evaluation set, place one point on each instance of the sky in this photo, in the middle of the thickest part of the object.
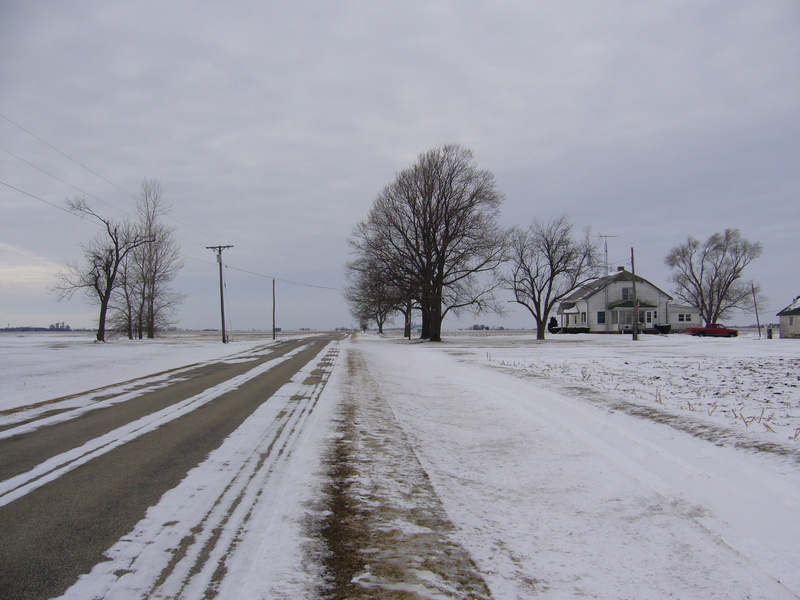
(272, 127)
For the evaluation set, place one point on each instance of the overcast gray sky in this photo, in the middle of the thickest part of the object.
(273, 125)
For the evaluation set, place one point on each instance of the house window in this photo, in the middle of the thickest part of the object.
(627, 293)
(626, 317)
(601, 317)
(614, 317)
(684, 317)
(583, 318)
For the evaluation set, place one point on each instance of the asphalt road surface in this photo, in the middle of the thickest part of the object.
(60, 519)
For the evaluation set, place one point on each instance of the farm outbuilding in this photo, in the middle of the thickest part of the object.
(681, 316)
(790, 320)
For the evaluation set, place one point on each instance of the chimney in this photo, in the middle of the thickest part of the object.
(620, 268)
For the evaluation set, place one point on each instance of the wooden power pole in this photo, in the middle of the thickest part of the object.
(218, 250)
(635, 301)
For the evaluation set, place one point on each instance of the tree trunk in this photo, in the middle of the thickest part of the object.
(541, 327)
(435, 322)
(101, 321)
(151, 312)
(407, 316)
(426, 324)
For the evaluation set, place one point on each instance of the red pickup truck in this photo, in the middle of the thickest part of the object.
(713, 330)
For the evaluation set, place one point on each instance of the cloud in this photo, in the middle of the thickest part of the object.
(22, 269)
(273, 126)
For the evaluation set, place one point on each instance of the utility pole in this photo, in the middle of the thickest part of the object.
(755, 306)
(273, 309)
(218, 250)
(635, 301)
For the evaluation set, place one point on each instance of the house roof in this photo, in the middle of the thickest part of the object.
(791, 310)
(683, 307)
(591, 288)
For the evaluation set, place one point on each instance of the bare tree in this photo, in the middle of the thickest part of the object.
(547, 263)
(124, 309)
(156, 264)
(370, 301)
(378, 285)
(103, 257)
(708, 275)
(435, 229)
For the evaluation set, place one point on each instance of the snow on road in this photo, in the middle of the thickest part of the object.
(586, 466)
(49, 470)
(40, 367)
(203, 537)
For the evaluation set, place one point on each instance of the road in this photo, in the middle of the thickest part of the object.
(72, 488)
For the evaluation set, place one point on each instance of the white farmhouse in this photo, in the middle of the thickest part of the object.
(606, 305)
(790, 320)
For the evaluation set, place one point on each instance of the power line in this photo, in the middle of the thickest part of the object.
(311, 285)
(62, 181)
(40, 199)
(67, 156)
(288, 281)
(88, 169)
(95, 173)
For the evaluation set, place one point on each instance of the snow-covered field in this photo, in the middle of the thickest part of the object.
(581, 466)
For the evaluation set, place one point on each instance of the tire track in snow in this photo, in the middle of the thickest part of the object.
(184, 545)
(15, 487)
(23, 419)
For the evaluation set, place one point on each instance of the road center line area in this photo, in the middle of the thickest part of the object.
(228, 425)
(54, 467)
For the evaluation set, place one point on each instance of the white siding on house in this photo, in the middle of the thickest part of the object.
(681, 317)
(790, 326)
(790, 320)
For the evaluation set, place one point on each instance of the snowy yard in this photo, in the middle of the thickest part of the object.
(580, 466)
(593, 466)
(751, 385)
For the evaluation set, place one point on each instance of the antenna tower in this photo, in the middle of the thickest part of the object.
(605, 243)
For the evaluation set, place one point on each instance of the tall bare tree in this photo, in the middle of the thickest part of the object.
(377, 284)
(103, 258)
(370, 300)
(547, 263)
(708, 275)
(154, 266)
(435, 229)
